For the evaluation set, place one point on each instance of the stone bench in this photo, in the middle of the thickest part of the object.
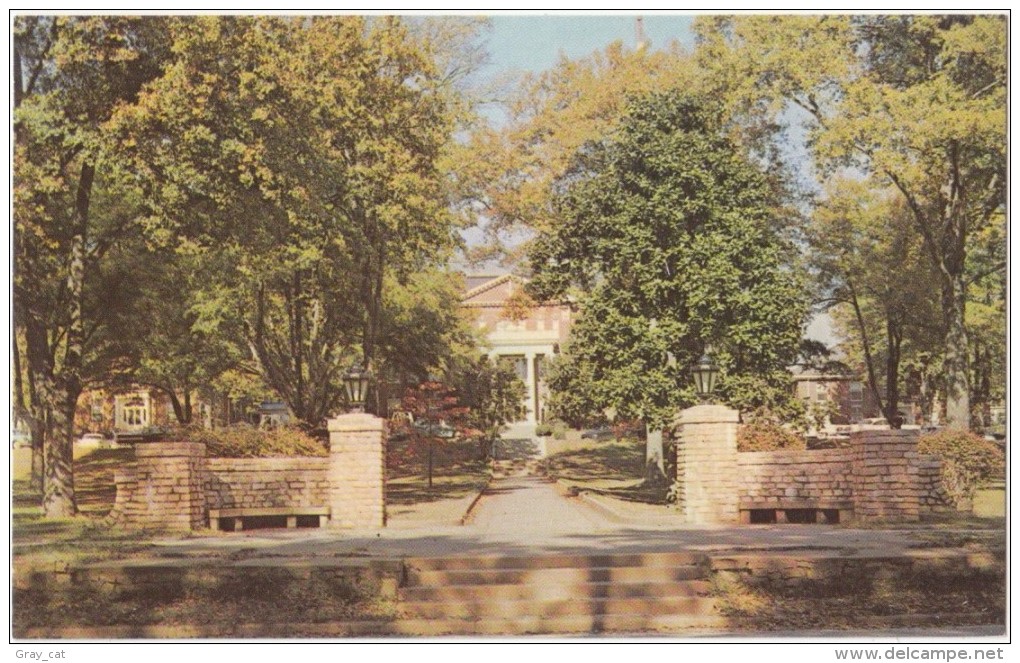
(785, 511)
(237, 515)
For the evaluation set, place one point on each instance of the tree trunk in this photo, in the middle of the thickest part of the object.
(868, 359)
(182, 411)
(955, 363)
(30, 414)
(655, 467)
(38, 432)
(892, 374)
(58, 491)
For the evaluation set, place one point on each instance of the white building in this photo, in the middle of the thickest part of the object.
(528, 336)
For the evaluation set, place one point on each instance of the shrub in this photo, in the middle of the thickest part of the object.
(763, 435)
(249, 442)
(967, 460)
(554, 427)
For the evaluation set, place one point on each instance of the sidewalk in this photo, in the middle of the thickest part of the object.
(526, 516)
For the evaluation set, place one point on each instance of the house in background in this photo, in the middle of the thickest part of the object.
(527, 336)
(129, 412)
(844, 399)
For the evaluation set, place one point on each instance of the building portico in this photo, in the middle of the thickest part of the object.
(529, 337)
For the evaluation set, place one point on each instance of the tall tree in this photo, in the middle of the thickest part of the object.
(914, 102)
(300, 158)
(870, 262)
(670, 237)
(167, 348)
(70, 204)
(509, 170)
(494, 396)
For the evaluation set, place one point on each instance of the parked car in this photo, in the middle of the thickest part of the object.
(93, 440)
(440, 429)
(621, 430)
(20, 439)
(599, 434)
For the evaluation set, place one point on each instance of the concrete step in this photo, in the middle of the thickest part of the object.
(562, 607)
(579, 590)
(615, 625)
(554, 561)
(563, 593)
(553, 576)
(565, 625)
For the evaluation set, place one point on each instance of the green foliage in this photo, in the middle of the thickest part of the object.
(967, 461)
(879, 284)
(424, 326)
(75, 202)
(764, 435)
(327, 131)
(912, 102)
(242, 441)
(494, 396)
(670, 238)
(551, 115)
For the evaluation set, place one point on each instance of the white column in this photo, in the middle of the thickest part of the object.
(530, 382)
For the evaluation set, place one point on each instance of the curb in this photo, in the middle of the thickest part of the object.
(468, 514)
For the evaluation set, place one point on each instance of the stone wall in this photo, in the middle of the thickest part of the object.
(266, 482)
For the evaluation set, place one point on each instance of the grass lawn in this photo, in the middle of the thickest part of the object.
(95, 490)
(614, 468)
(457, 471)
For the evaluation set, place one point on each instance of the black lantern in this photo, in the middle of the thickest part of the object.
(705, 373)
(356, 382)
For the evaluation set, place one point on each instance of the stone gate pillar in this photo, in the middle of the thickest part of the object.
(357, 457)
(706, 465)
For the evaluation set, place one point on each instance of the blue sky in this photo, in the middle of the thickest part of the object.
(533, 43)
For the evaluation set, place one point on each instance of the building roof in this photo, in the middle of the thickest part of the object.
(490, 290)
(473, 281)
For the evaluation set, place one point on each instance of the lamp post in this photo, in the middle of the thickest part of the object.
(705, 373)
(356, 383)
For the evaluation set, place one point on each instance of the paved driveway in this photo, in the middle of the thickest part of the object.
(518, 508)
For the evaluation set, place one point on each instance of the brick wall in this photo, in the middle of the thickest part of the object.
(879, 477)
(163, 488)
(810, 477)
(266, 482)
(933, 496)
(885, 473)
(172, 485)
